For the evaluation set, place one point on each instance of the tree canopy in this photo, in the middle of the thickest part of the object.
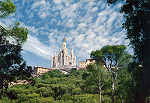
(137, 23)
(113, 58)
(7, 7)
(12, 65)
(112, 55)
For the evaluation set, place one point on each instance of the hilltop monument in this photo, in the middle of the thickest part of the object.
(64, 60)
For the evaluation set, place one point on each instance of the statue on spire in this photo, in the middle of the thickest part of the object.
(64, 43)
(64, 39)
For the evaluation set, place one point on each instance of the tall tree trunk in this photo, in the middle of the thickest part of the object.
(100, 95)
(113, 90)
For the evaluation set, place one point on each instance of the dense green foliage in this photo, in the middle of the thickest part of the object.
(12, 65)
(93, 85)
(6, 8)
(137, 23)
(114, 58)
(80, 86)
(136, 17)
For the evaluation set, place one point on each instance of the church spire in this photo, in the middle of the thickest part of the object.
(64, 43)
(64, 39)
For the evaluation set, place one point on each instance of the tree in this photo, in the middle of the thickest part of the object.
(12, 65)
(11, 61)
(97, 77)
(137, 23)
(124, 85)
(113, 58)
(6, 8)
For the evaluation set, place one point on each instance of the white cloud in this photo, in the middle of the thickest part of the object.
(88, 25)
(70, 23)
(69, 12)
(40, 7)
(33, 45)
(42, 15)
(94, 9)
(57, 1)
(91, 35)
(38, 3)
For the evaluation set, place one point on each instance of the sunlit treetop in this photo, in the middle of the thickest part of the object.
(6, 8)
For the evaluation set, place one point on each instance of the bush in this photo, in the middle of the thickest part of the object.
(7, 100)
(87, 98)
(12, 93)
(44, 92)
(66, 97)
(76, 91)
(30, 98)
(47, 100)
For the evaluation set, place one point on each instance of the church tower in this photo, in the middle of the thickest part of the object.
(64, 47)
(64, 59)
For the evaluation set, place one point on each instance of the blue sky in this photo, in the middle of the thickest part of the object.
(87, 24)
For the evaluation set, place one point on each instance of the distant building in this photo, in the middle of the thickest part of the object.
(40, 70)
(64, 60)
(84, 64)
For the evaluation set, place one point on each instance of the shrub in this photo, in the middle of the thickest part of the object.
(66, 97)
(76, 91)
(44, 92)
(47, 100)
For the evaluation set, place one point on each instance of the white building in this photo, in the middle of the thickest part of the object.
(64, 60)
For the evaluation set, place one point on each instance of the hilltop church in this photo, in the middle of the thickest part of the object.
(64, 59)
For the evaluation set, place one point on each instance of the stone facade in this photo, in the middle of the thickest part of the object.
(84, 64)
(40, 70)
(63, 59)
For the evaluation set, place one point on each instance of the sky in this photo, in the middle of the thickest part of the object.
(87, 25)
